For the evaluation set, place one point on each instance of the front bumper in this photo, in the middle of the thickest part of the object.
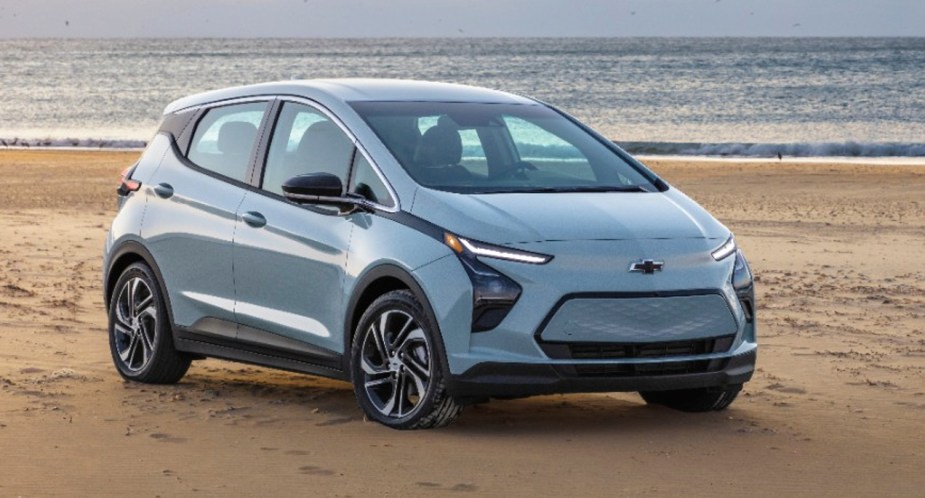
(527, 379)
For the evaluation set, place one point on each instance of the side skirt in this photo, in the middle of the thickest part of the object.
(224, 345)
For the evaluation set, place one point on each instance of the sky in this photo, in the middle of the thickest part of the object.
(458, 18)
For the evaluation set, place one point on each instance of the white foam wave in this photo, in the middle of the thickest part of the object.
(823, 149)
(68, 143)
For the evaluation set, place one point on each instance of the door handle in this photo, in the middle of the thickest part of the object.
(254, 219)
(163, 190)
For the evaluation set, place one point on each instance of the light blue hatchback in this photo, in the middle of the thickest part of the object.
(435, 244)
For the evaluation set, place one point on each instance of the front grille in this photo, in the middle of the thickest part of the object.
(614, 351)
(648, 369)
(626, 320)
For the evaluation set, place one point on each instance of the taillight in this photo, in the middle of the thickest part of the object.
(126, 184)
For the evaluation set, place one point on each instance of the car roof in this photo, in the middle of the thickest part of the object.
(356, 89)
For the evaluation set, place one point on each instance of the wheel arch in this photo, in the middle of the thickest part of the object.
(123, 256)
(369, 287)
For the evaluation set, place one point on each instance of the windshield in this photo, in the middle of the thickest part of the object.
(491, 148)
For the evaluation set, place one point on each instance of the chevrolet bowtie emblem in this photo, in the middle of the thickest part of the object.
(647, 266)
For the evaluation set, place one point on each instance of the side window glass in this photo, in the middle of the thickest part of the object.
(305, 141)
(225, 137)
(366, 183)
(546, 151)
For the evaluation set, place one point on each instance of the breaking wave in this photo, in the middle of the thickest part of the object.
(825, 149)
(68, 143)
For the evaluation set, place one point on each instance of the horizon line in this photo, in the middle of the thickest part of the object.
(457, 37)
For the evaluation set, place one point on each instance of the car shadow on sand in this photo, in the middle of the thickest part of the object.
(248, 394)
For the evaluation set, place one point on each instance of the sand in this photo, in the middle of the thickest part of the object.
(837, 406)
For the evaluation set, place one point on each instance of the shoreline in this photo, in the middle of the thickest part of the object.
(812, 160)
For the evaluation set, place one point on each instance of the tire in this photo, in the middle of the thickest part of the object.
(140, 335)
(694, 400)
(397, 365)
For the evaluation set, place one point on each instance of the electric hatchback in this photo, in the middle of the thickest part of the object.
(436, 245)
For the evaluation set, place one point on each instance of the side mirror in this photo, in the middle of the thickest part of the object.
(316, 188)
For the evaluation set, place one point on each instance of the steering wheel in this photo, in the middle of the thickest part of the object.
(513, 170)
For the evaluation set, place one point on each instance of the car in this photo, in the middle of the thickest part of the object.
(434, 244)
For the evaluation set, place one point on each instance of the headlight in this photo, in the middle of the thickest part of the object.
(725, 250)
(743, 283)
(741, 273)
(461, 245)
(493, 293)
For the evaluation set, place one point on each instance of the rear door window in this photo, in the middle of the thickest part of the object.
(225, 138)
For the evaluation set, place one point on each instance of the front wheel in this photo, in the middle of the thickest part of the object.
(694, 400)
(139, 333)
(396, 365)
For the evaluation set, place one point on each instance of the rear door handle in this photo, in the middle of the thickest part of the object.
(254, 219)
(163, 190)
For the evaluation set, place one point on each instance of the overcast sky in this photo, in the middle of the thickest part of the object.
(462, 18)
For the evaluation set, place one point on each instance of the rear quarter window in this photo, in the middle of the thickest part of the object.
(225, 137)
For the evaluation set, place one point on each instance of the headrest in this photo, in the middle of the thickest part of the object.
(440, 146)
(318, 135)
(236, 137)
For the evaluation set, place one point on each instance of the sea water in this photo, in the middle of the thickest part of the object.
(742, 96)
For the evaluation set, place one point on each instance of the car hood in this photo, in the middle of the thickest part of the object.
(513, 218)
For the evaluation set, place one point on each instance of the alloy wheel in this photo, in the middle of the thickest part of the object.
(397, 364)
(135, 325)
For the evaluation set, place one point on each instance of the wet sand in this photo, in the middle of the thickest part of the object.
(837, 406)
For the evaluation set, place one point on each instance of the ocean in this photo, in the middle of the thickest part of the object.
(851, 97)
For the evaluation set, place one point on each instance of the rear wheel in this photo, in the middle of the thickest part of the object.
(140, 338)
(397, 363)
(694, 400)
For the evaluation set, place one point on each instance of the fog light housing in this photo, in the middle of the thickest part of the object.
(493, 294)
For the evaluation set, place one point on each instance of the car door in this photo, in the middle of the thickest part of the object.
(289, 259)
(190, 219)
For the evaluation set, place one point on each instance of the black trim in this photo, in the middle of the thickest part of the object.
(262, 340)
(134, 248)
(494, 294)
(175, 148)
(747, 301)
(190, 342)
(177, 123)
(529, 379)
(182, 149)
(319, 357)
(364, 283)
(267, 128)
(637, 350)
(415, 223)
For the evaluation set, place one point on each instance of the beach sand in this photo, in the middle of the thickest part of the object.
(836, 407)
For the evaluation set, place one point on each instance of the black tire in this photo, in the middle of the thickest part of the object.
(140, 337)
(694, 400)
(396, 353)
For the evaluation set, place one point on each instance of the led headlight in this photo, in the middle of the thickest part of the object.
(461, 245)
(493, 293)
(725, 250)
